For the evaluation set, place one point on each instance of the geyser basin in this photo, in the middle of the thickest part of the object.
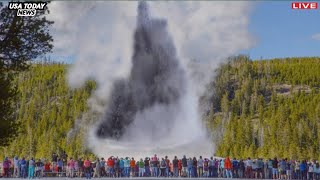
(154, 110)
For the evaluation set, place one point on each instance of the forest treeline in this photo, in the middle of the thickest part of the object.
(262, 108)
(267, 108)
(47, 109)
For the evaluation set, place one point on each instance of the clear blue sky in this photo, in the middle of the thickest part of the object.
(284, 32)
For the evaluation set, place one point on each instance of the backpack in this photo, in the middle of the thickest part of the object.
(163, 164)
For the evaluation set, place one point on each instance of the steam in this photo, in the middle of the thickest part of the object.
(101, 38)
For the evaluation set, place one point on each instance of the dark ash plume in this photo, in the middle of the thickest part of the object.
(156, 77)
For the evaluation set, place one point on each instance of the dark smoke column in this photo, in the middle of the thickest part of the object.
(156, 77)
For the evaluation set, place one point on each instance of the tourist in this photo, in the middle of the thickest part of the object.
(31, 168)
(127, 166)
(121, 167)
(200, 167)
(6, 166)
(227, 166)
(87, 168)
(211, 166)
(242, 169)
(175, 166)
(190, 166)
(167, 166)
(310, 171)
(235, 164)
(205, 167)
(316, 170)
(147, 167)
(275, 168)
(39, 168)
(16, 170)
(132, 166)
(163, 167)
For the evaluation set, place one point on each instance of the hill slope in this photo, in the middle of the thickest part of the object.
(267, 108)
(47, 109)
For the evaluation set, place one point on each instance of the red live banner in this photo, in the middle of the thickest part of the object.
(304, 5)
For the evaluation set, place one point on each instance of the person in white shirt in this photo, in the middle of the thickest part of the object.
(16, 171)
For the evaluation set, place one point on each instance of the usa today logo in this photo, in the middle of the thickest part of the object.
(26, 8)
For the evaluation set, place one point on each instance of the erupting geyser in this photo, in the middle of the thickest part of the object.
(156, 84)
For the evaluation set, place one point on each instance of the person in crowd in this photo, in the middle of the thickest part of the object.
(97, 168)
(260, 167)
(289, 169)
(167, 166)
(102, 167)
(310, 171)
(136, 169)
(76, 168)
(154, 165)
(121, 167)
(211, 166)
(64, 158)
(216, 167)
(31, 169)
(111, 165)
(270, 167)
(16, 168)
(194, 167)
(200, 167)
(127, 167)
(23, 165)
(171, 169)
(47, 168)
(132, 166)
(147, 166)
(206, 167)
(6, 165)
(222, 170)
(175, 162)
(249, 168)
(54, 161)
(241, 169)
(190, 164)
(80, 169)
(39, 168)
(72, 166)
(283, 168)
(234, 168)
(227, 166)
(163, 167)
(275, 168)
(303, 169)
(297, 173)
(141, 168)
(180, 168)
(87, 168)
(60, 167)
(316, 170)
(116, 166)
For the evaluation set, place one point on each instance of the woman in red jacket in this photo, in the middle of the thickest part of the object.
(110, 164)
(227, 167)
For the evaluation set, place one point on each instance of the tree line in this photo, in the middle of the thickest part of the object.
(266, 108)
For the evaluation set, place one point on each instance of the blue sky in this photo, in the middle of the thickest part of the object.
(279, 32)
(283, 32)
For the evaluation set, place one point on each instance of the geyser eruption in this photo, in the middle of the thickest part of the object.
(154, 110)
(156, 79)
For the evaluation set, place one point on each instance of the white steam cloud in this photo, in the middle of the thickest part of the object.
(100, 36)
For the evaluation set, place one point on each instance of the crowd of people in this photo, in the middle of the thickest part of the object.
(161, 167)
